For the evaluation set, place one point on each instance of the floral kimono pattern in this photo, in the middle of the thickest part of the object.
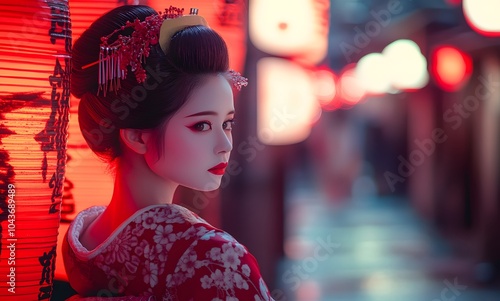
(165, 252)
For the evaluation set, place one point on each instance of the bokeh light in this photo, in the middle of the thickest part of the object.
(373, 74)
(451, 68)
(482, 16)
(406, 64)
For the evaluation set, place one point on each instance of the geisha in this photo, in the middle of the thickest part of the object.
(156, 103)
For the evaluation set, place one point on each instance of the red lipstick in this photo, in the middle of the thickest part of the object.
(218, 169)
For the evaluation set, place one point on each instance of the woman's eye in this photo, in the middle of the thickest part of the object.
(201, 126)
(228, 125)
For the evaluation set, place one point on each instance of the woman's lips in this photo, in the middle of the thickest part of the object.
(218, 169)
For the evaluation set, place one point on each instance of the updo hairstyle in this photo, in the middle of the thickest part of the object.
(193, 53)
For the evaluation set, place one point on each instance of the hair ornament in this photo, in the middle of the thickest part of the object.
(114, 58)
(130, 50)
(237, 79)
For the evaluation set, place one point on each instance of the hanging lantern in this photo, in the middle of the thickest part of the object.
(287, 104)
(34, 110)
(297, 31)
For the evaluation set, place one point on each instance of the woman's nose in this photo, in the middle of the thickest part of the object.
(224, 142)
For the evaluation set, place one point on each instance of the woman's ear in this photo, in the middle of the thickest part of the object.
(135, 139)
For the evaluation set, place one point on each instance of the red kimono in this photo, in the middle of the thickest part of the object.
(166, 252)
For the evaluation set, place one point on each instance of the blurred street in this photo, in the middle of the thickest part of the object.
(372, 248)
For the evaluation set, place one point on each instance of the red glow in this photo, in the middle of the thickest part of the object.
(451, 68)
(86, 182)
(454, 2)
(34, 101)
(326, 88)
(349, 88)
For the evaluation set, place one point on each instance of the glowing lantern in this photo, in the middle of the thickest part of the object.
(298, 31)
(286, 102)
(482, 16)
(451, 68)
(34, 100)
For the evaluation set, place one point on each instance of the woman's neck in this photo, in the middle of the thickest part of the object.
(137, 187)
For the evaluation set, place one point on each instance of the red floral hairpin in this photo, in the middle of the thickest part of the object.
(130, 50)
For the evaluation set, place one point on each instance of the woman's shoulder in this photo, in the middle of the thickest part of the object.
(218, 265)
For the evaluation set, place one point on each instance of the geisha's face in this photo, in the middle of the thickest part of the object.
(197, 139)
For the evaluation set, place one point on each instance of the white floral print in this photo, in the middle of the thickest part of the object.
(171, 253)
(163, 234)
(150, 273)
(149, 220)
(230, 256)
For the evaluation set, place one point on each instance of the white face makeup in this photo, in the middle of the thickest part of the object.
(197, 139)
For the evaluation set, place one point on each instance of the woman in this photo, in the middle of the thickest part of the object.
(157, 105)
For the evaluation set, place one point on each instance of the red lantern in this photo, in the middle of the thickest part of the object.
(34, 104)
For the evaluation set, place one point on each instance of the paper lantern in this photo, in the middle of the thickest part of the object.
(34, 111)
(287, 104)
(297, 30)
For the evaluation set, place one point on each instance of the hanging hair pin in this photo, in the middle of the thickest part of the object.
(129, 51)
(100, 77)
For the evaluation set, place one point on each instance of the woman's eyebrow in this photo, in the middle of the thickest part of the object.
(207, 113)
